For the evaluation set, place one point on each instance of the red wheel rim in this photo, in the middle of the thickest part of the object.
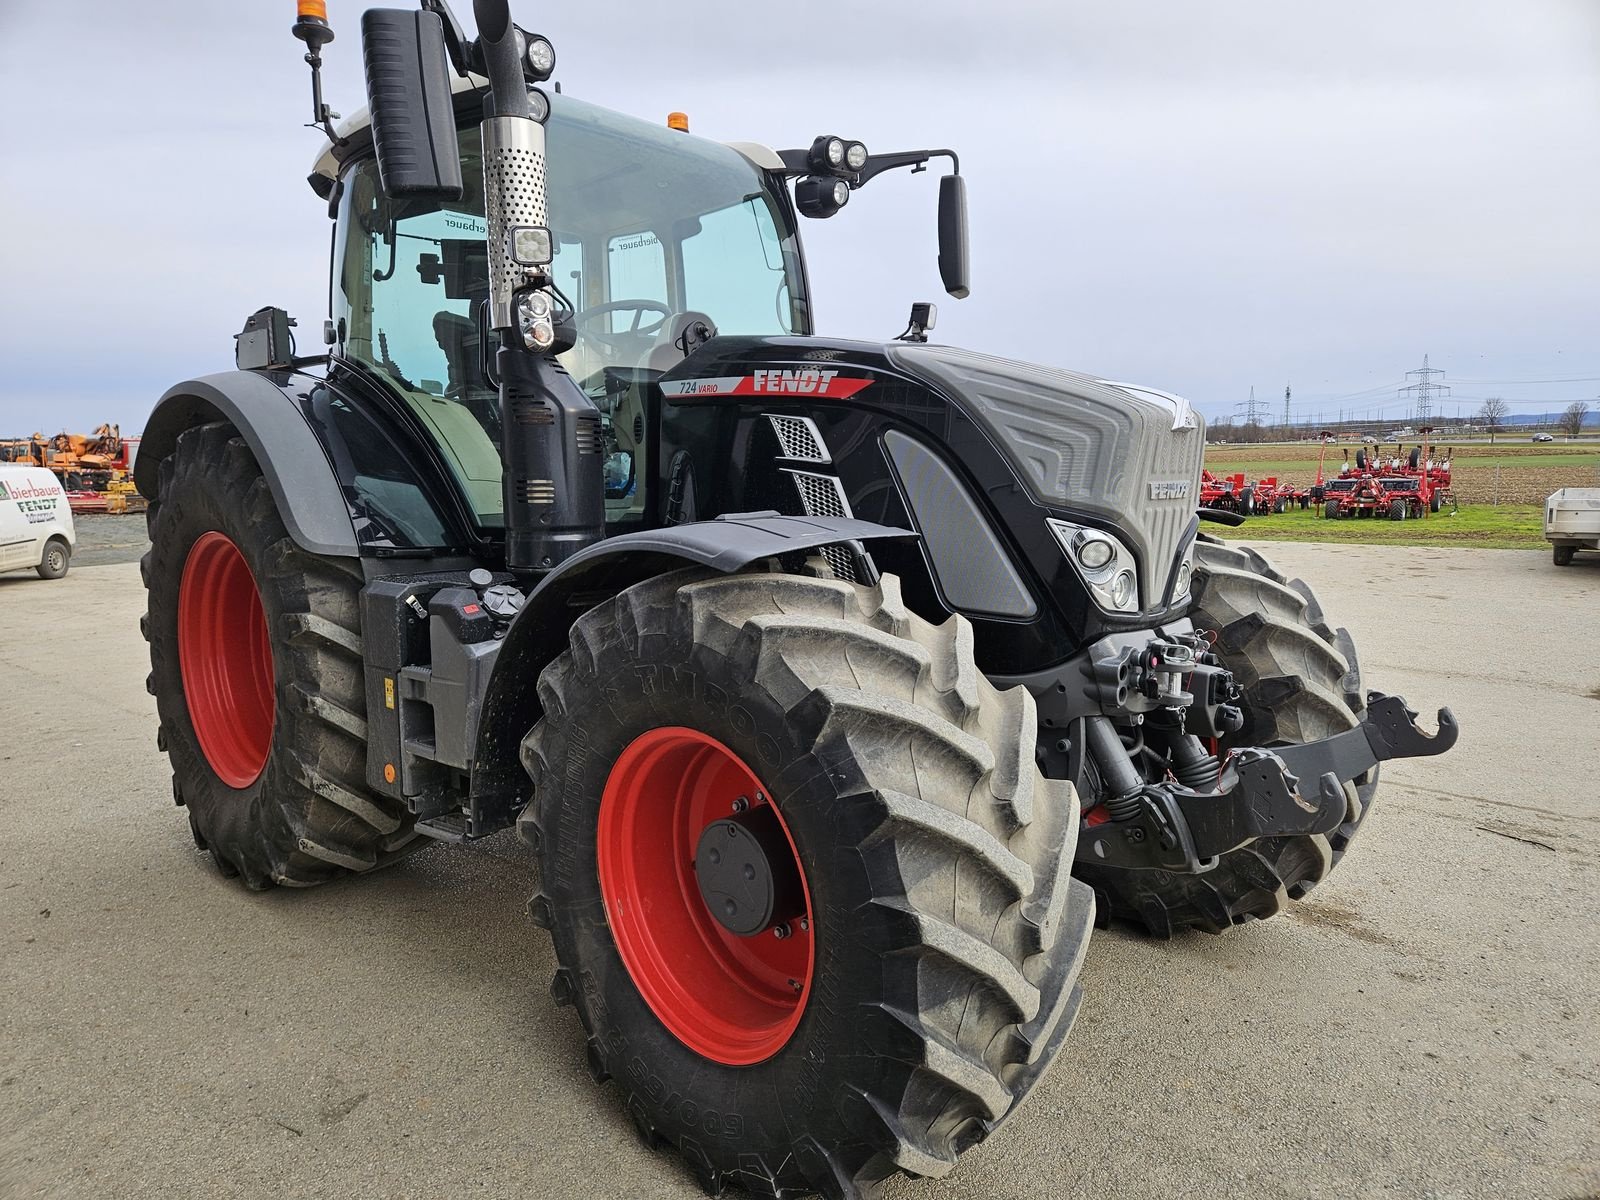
(735, 1000)
(225, 657)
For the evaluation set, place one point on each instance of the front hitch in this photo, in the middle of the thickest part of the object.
(1278, 792)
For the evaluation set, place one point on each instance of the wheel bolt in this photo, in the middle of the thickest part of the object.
(742, 803)
(805, 924)
(761, 798)
(780, 932)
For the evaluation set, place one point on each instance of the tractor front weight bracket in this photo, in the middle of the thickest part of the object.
(1173, 828)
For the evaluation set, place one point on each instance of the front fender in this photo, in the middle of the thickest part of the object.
(511, 704)
(296, 467)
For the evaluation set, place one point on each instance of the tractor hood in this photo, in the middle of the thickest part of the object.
(1129, 455)
(1116, 456)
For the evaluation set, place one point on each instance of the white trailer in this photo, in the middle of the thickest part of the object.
(1572, 522)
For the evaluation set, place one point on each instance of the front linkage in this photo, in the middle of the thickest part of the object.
(1177, 691)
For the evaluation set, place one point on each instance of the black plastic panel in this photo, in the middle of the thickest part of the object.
(971, 567)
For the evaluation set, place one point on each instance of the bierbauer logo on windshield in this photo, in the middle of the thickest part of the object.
(1170, 489)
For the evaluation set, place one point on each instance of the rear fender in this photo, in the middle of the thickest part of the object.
(511, 704)
(296, 467)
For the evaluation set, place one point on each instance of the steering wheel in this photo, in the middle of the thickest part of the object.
(621, 341)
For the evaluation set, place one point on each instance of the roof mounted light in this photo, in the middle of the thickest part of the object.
(828, 155)
(821, 195)
(541, 58)
(855, 156)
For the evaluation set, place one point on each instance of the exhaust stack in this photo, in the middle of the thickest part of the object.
(552, 435)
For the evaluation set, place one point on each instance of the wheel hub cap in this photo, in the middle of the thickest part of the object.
(731, 984)
(225, 659)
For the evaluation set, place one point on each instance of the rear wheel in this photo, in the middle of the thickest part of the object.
(1330, 510)
(1301, 682)
(1563, 554)
(256, 667)
(882, 960)
(1433, 502)
(56, 559)
(1247, 501)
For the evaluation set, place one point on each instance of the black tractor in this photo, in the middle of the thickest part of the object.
(836, 685)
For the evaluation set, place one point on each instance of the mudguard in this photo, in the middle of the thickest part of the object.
(296, 467)
(511, 703)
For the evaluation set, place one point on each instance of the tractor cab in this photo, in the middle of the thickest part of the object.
(660, 240)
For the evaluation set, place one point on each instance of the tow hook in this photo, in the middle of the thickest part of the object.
(1265, 794)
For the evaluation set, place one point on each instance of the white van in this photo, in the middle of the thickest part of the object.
(36, 531)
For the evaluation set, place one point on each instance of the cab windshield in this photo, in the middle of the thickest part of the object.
(654, 230)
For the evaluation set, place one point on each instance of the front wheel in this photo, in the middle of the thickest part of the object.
(56, 559)
(808, 891)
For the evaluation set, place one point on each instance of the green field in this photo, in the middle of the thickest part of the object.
(1499, 492)
(1492, 527)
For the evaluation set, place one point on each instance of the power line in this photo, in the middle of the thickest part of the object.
(1425, 391)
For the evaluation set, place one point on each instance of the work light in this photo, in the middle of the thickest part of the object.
(820, 196)
(541, 58)
(534, 319)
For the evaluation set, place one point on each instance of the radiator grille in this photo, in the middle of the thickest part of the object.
(799, 439)
(821, 495)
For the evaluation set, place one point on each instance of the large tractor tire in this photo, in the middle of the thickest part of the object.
(917, 972)
(256, 667)
(1301, 682)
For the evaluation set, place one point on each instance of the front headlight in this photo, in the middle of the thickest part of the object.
(1185, 577)
(1104, 564)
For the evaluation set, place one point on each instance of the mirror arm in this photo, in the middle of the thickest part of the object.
(456, 44)
(798, 162)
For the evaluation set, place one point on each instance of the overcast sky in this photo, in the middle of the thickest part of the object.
(1198, 195)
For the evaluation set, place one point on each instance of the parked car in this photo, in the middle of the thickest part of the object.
(1544, 437)
(1572, 522)
(36, 530)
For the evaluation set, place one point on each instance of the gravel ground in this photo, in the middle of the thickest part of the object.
(1423, 1026)
(104, 539)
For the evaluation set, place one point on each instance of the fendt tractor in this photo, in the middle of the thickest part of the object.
(836, 685)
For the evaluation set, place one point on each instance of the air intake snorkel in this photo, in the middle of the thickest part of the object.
(551, 435)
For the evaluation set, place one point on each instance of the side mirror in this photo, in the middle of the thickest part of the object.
(408, 91)
(953, 269)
